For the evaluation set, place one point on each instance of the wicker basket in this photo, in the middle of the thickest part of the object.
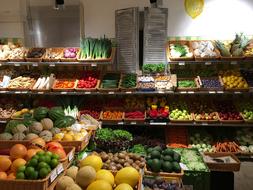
(109, 89)
(110, 59)
(127, 89)
(64, 89)
(69, 59)
(206, 121)
(213, 88)
(87, 89)
(35, 59)
(183, 42)
(223, 167)
(182, 121)
(47, 59)
(111, 120)
(230, 121)
(163, 174)
(198, 58)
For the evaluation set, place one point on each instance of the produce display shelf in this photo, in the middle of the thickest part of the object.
(128, 93)
(53, 64)
(214, 62)
(170, 124)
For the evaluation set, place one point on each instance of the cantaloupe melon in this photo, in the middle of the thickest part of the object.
(99, 185)
(85, 176)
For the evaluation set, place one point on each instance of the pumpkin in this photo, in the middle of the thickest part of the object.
(47, 123)
(18, 151)
(18, 137)
(46, 135)
(36, 128)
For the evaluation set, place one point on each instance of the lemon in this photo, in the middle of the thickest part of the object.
(105, 175)
(123, 186)
(99, 185)
(67, 137)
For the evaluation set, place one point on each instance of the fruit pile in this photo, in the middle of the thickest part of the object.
(157, 108)
(201, 141)
(117, 161)
(21, 114)
(180, 112)
(70, 135)
(227, 111)
(233, 80)
(210, 83)
(91, 176)
(163, 160)
(151, 183)
(88, 80)
(165, 82)
(204, 112)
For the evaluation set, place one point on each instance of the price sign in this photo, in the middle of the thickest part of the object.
(211, 92)
(208, 63)
(220, 92)
(204, 124)
(110, 92)
(35, 64)
(191, 92)
(71, 156)
(52, 65)
(63, 92)
(16, 64)
(94, 64)
(53, 175)
(128, 92)
(120, 123)
(237, 92)
(156, 123)
(183, 92)
(59, 169)
(133, 123)
(161, 92)
(181, 63)
(40, 92)
(87, 92)
(17, 92)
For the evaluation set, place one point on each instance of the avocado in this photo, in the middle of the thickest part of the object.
(149, 162)
(168, 151)
(168, 158)
(176, 167)
(176, 157)
(156, 165)
(149, 150)
(155, 154)
(167, 167)
(158, 148)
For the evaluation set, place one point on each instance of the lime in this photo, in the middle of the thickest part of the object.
(42, 158)
(33, 162)
(20, 175)
(28, 171)
(35, 157)
(55, 156)
(21, 169)
(40, 153)
(49, 154)
(47, 159)
(43, 173)
(42, 165)
(34, 175)
(49, 170)
(54, 163)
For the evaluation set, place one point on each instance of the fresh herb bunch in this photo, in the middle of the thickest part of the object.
(128, 81)
(154, 68)
(138, 149)
(106, 134)
(122, 135)
(181, 49)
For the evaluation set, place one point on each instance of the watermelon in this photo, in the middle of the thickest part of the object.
(10, 125)
(28, 122)
(56, 113)
(40, 113)
(64, 122)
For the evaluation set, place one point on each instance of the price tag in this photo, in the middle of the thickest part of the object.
(52, 65)
(220, 92)
(170, 92)
(233, 63)
(3, 92)
(181, 63)
(237, 92)
(204, 124)
(161, 92)
(16, 64)
(183, 166)
(128, 92)
(133, 123)
(71, 156)
(211, 92)
(1, 64)
(183, 92)
(17, 92)
(158, 123)
(40, 92)
(87, 92)
(110, 92)
(59, 169)
(35, 65)
(208, 63)
(63, 92)
(93, 64)
(120, 123)
(53, 175)
(191, 92)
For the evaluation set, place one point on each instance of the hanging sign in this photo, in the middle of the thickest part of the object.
(194, 8)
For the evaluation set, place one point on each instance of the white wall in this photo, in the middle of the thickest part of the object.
(220, 19)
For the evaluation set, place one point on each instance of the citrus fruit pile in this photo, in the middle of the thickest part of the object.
(39, 166)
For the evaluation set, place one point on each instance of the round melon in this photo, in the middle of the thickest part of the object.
(47, 123)
(73, 187)
(85, 176)
(128, 175)
(105, 175)
(93, 161)
(72, 172)
(123, 186)
(64, 182)
(99, 185)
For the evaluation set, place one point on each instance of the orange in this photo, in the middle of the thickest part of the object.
(17, 163)
(11, 176)
(3, 175)
(18, 151)
(31, 152)
(5, 163)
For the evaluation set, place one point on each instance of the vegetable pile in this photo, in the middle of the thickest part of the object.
(92, 49)
(227, 147)
(134, 115)
(178, 50)
(88, 81)
(157, 108)
(153, 68)
(64, 84)
(112, 115)
(151, 183)
(70, 53)
(21, 82)
(110, 80)
(204, 49)
(186, 84)
(128, 81)
(201, 141)
(36, 53)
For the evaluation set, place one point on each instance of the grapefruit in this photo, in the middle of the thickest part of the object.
(123, 186)
(18, 151)
(93, 161)
(17, 163)
(5, 164)
(105, 175)
(128, 175)
(99, 185)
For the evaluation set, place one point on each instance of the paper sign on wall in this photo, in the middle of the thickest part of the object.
(194, 7)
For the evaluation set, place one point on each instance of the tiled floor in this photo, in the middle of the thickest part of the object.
(244, 178)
